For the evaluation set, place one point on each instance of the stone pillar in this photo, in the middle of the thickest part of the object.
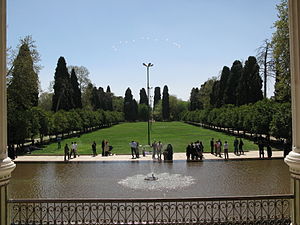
(293, 159)
(6, 165)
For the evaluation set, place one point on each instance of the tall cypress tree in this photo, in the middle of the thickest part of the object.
(22, 95)
(108, 89)
(62, 97)
(232, 82)
(23, 88)
(249, 89)
(95, 99)
(195, 100)
(135, 111)
(128, 109)
(223, 83)
(76, 92)
(157, 96)
(215, 93)
(165, 104)
(102, 99)
(143, 97)
(109, 95)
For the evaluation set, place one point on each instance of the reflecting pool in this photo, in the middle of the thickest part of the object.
(126, 179)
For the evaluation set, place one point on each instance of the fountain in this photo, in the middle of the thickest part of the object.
(163, 181)
(151, 178)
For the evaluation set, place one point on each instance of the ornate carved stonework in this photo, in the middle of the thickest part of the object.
(6, 168)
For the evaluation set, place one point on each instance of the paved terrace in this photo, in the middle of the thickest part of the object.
(176, 156)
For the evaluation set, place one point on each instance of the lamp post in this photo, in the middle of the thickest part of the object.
(148, 96)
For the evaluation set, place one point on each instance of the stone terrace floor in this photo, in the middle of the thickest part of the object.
(176, 156)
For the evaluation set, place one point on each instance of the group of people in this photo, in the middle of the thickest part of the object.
(194, 151)
(217, 146)
(106, 148)
(135, 152)
(70, 151)
(157, 149)
(261, 144)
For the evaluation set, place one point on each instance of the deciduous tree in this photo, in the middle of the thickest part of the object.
(281, 54)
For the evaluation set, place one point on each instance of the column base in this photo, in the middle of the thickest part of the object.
(293, 161)
(6, 168)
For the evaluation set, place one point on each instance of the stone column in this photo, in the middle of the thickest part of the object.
(293, 159)
(6, 165)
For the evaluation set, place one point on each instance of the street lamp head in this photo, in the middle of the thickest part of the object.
(148, 65)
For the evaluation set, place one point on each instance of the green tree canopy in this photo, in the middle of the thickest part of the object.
(157, 96)
(76, 92)
(23, 89)
(232, 82)
(129, 106)
(281, 54)
(62, 98)
(205, 92)
(165, 104)
(143, 97)
(249, 88)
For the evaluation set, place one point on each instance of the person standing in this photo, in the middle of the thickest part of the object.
(133, 148)
(137, 150)
(75, 150)
(102, 146)
(170, 152)
(106, 148)
(261, 148)
(194, 151)
(154, 147)
(201, 148)
(219, 148)
(189, 151)
(72, 150)
(236, 145)
(216, 148)
(241, 144)
(226, 155)
(269, 150)
(58, 143)
(159, 148)
(67, 155)
(94, 148)
(212, 143)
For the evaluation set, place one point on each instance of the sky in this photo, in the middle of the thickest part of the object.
(188, 41)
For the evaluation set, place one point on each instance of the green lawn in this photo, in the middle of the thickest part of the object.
(119, 136)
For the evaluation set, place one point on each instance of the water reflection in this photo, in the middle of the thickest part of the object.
(100, 180)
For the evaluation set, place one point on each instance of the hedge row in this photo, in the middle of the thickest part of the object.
(44, 123)
(264, 117)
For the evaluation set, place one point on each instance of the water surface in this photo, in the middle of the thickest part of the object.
(102, 179)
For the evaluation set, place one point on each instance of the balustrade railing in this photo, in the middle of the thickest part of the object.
(272, 209)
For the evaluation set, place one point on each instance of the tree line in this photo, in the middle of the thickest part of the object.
(75, 104)
(235, 99)
(238, 85)
(58, 113)
(265, 117)
(72, 94)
